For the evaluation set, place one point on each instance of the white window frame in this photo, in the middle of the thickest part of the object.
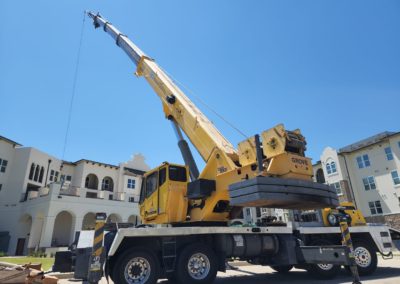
(363, 161)
(374, 207)
(338, 188)
(369, 182)
(389, 154)
(131, 184)
(331, 167)
(395, 179)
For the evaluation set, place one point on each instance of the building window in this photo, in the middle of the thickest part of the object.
(331, 168)
(131, 183)
(338, 188)
(32, 171)
(375, 207)
(1, 186)
(248, 212)
(131, 199)
(41, 174)
(3, 165)
(395, 177)
(389, 154)
(51, 175)
(68, 178)
(369, 183)
(320, 176)
(56, 176)
(37, 170)
(107, 184)
(363, 161)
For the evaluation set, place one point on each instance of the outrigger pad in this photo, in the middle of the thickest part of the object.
(282, 193)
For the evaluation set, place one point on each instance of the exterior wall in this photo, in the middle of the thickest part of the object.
(351, 177)
(7, 152)
(387, 193)
(340, 177)
(47, 213)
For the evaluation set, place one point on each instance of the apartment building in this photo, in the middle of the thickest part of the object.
(367, 173)
(44, 201)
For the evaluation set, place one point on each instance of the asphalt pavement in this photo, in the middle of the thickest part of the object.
(388, 272)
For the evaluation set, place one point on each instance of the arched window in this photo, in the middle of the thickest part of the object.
(32, 171)
(91, 181)
(41, 174)
(320, 176)
(37, 171)
(107, 184)
(331, 167)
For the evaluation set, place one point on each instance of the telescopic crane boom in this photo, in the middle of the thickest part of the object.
(268, 170)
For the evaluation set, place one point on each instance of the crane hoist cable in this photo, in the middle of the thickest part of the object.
(73, 92)
(206, 105)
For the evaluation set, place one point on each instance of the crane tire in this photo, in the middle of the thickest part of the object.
(136, 266)
(323, 271)
(197, 264)
(366, 258)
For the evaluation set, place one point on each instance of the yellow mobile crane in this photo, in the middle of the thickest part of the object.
(270, 172)
(185, 237)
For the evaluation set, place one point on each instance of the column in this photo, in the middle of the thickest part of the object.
(35, 233)
(76, 227)
(47, 232)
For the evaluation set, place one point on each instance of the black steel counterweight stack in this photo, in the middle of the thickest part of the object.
(346, 241)
(98, 253)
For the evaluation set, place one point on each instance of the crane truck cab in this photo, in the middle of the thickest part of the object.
(163, 195)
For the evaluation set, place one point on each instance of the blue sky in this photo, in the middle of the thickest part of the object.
(330, 68)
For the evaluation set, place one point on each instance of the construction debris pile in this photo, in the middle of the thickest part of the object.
(24, 274)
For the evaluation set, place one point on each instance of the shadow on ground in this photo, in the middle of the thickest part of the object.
(299, 277)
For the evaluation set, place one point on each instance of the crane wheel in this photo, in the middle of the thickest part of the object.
(323, 271)
(366, 258)
(197, 264)
(136, 266)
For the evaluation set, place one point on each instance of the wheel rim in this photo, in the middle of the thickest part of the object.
(363, 257)
(325, 266)
(198, 266)
(137, 271)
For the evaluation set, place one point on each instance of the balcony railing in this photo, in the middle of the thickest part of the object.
(55, 189)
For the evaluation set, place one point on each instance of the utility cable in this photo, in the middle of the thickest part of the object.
(75, 78)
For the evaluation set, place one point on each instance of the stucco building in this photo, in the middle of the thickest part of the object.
(368, 174)
(44, 201)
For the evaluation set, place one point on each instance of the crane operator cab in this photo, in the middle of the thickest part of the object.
(163, 194)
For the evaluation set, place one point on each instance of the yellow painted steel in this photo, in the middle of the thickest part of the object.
(224, 163)
(168, 203)
(357, 218)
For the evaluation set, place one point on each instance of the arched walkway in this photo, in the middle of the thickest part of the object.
(62, 229)
(89, 221)
(114, 218)
(91, 181)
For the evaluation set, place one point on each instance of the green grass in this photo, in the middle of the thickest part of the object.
(47, 263)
